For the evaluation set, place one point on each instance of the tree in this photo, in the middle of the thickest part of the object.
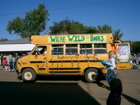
(61, 27)
(71, 27)
(91, 30)
(104, 29)
(108, 29)
(117, 35)
(33, 23)
(77, 28)
(3, 39)
(135, 46)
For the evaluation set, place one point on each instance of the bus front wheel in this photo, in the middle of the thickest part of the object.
(28, 75)
(91, 75)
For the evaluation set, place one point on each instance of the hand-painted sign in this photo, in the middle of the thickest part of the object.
(123, 53)
(76, 38)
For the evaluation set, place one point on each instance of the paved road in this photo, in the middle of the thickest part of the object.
(66, 91)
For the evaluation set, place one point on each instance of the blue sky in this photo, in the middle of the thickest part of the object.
(119, 14)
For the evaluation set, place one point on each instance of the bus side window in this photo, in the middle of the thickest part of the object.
(100, 48)
(100, 51)
(57, 50)
(71, 49)
(86, 49)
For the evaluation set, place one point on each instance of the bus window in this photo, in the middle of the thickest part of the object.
(57, 49)
(71, 49)
(100, 48)
(86, 49)
(100, 51)
(101, 45)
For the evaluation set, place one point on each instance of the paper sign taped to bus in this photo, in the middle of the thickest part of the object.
(123, 53)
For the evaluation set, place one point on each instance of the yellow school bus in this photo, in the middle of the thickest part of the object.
(73, 54)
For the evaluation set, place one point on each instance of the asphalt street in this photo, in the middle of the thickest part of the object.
(66, 90)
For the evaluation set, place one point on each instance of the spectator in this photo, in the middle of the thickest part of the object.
(6, 67)
(23, 54)
(14, 62)
(11, 65)
(1, 57)
(134, 59)
(4, 63)
(138, 59)
(9, 58)
(18, 55)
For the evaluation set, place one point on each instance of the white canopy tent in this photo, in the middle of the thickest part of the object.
(16, 45)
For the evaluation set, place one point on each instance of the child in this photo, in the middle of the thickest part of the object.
(4, 63)
(110, 66)
(6, 68)
(113, 80)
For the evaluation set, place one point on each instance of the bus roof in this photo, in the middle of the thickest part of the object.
(72, 38)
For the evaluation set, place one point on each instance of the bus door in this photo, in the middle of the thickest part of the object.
(38, 59)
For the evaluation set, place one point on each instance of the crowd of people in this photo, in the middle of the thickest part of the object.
(8, 62)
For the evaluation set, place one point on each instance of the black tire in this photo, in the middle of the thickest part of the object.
(28, 75)
(91, 75)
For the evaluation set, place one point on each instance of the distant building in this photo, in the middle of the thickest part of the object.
(16, 46)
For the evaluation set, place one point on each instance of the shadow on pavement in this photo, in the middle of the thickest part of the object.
(18, 93)
(131, 100)
(59, 77)
(100, 84)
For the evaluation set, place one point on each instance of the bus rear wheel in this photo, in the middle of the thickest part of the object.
(28, 75)
(91, 75)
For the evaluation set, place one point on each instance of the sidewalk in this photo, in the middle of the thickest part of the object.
(1, 68)
(8, 76)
